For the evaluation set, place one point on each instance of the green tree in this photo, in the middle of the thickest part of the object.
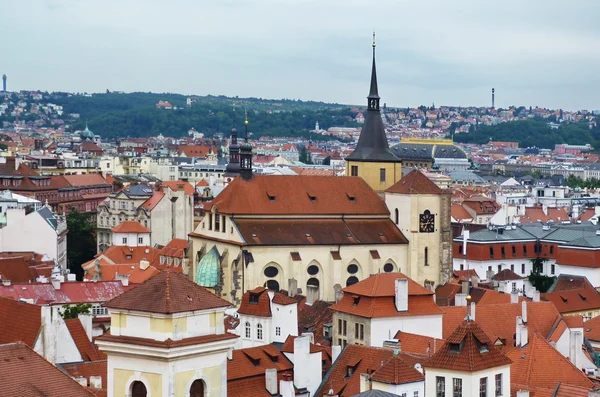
(304, 155)
(73, 311)
(327, 160)
(81, 241)
(540, 281)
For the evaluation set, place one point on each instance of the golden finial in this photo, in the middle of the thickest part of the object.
(374, 45)
(246, 114)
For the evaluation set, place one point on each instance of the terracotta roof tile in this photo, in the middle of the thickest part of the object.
(574, 321)
(574, 300)
(19, 322)
(85, 180)
(167, 344)
(469, 349)
(397, 371)
(170, 293)
(129, 227)
(26, 373)
(419, 344)
(591, 329)
(288, 195)
(153, 200)
(459, 212)
(415, 182)
(538, 364)
(88, 369)
(84, 345)
(312, 318)
(253, 361)
(383, 284)
(506, 275)
(174, 186)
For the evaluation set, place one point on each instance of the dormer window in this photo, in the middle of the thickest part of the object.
(355, 299)
(253, 299)
(456, 347)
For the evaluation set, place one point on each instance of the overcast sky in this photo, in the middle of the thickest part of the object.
(534, 52)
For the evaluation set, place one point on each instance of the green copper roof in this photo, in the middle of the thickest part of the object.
(207, 271)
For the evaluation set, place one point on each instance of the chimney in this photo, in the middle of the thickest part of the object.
(6, 282)
(392, 344)
(473, 310)
(310, 336)
(460, 300)
(286, 386)
(365, 383)
(524, 311)
(335, 352)
(292, 287)
(312, 294)
(96, 382)
(523, 393)
(514, 297)
(518, 331)
(475, 281)
(144, 264)
(271, 381)
(86, 321)
(489, 274)
(575, 343)
(524, 335)
(56, 283)
(71, 277)
(401, 298)
(82, 380)
(338, 292)
(125, 280)
(536, 296)
(465, 287)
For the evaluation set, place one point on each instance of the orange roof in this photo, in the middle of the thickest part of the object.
(469, 349)
(171, 293)
(415, 182)
(260, 304)
(574, 300)
(592, 329)
(129, 227)
(413, 343)
(202, 182)
(175, 185)
(118, 255)
(296, 194)
(383, 284)
(153, 201)
(253, 361)
(538, 364)
(85, 180)
(84, 345)
(574, 321)
(26, 373)
(88, 369)
(194, 150)
(459, 212)
(19, 321)
(397, 371)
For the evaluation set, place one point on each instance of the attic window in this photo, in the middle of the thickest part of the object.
(312, 197)
(271, 196)
(582, 297)
(455, 347)
(355, 299)
(128, 256)
(483, 347)
(564, 299)
(351, 197)
(253, 299)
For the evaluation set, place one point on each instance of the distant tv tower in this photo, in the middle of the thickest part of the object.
(4, 83)
(493, 91)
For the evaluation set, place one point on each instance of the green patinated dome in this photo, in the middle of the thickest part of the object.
(207, 270)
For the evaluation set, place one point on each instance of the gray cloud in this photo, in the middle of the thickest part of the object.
(535, 52)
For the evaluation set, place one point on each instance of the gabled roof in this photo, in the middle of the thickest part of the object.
(88, 369)
(260, 304)
(175, 185)
(538, 364)
(84, 345)
(397, 371)
(299, 195)
(574, 300)
(253, 361)
(129, 227)
(383, 284)
(26, 373)
(468, 349)
(506, 275)
(153, 201)
(419, 344)
(19, 321)
(167, 293)
(415, 182)
(591, 329)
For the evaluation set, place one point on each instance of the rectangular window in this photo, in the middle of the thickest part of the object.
(483, 387)
(498, 385)
(440, 386)
(551, 249)
(339, 327)
(460, 249)
(525, 249)
(124, 240)
(491, 252)
(416, 393)
(217, 222)
(499, 268)
(354, 170)
(361, 335)
(514, 287)
(278, 331)
(512, 268)
(382, 175)
(210, 221)
(552, 269)
(140, 240)
(522, 268)
(514, 250)
(456, 387)
(502, 252)
(223, 224)
(344, 328)
(356, 330)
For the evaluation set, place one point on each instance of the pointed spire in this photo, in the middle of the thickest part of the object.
(373, 91)
(246, 126)
(246, 154)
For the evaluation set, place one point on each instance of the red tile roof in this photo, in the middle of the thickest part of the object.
(538, 364)
(415, 182)
(170, 293)
(506, 275)
(174, 186)
(153, 201)
(459, 212)
(573, 321)
(300, 195)
(88, 369)
(397, 371)
(591, 329)
(85, 180)
(419, 344)
(70, 292)
(574, 300)
(383, 284)
(26, 373)
(19, 322)
(312, 318)
(84, 345)
(129, 227)
(468, 349)
(253, 361)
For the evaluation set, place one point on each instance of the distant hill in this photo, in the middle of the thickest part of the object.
(533, 133)
(135, 115)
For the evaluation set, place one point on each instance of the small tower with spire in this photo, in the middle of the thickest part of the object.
(233, 167)
(246, 154)
(372, 158)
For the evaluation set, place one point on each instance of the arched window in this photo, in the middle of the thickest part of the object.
(197, 388)
(351, 280)
(247, 329)
(259, 334)
(426, 256)
(273, 285)
(397, 216)
(388, 267)
(138, 389)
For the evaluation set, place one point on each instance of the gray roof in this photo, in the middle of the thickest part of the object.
(466, 176)
(507, 235)
(413, 151)
(375, 393)
(48, 216)
(139, 190)
(449, 151)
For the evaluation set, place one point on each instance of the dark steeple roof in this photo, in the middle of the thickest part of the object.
(246, 155)
(372, 143)
(233, 167)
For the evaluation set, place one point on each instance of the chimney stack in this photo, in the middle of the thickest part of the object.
(292, 287)
(271, 381)
(536, 296)
(401, 296)
(335, 352)
(365, 383)
(56, 283)
(465, 287)
(460, 300)
(514, 297)
(524, 311)
(524, 335)
(286, 386)
(473, 311)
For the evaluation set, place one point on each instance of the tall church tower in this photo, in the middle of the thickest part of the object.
(372, 159)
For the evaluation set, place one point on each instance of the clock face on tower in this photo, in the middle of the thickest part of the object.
(426, 222)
